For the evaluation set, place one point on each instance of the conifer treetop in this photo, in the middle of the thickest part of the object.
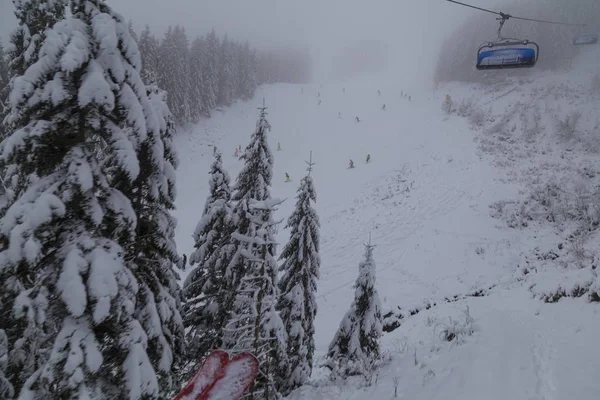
(310, 163)
(254, 180)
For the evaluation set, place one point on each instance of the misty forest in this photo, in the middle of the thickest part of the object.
(316, 200)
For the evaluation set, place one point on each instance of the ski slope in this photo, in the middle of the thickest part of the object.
(425, 200)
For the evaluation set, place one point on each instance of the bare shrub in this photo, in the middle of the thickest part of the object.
(456, 331)
(595, 87)
(532, 124)
(477, 118)
(582, 256)
(465, 108)
(567, 126)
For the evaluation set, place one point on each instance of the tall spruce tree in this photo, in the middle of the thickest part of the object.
(210, 72)
(254, 324)
(248, 64)
(68, 294)
(167, 67)
(132, 33)
(205, 288)
(34, 17)
(297, 303)
(149, 51)
(154, 253)
(226, 70)
(197, 104)
(181, 76)
(4, 89)
(355, 347)
(7, 391)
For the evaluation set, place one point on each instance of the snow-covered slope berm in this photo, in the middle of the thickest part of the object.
(425, 197)
(543, 134)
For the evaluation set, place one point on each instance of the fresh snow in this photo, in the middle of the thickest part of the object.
(426, 197)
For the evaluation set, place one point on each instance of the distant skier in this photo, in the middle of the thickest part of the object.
(236, 152)
(301, 90)
(301, 182)
(351, 163)
(318, 94)
(368, 158)
(339, 115)
(409, 98)
(379, 93)
(287, 177)
(319, 103)
(357, 119)
(278, 146)
(383, 107)
(343, 90)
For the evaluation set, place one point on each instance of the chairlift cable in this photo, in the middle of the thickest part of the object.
(477, 8)
(546, 22)
(507, 16)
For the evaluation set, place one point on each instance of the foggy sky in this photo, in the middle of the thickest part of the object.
(405, 34)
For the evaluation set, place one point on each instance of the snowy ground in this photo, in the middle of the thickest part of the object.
(425, 198)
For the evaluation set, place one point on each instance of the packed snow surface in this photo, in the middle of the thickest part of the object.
(425, 198)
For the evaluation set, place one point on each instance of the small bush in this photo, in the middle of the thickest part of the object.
(595, 87)
(477, 117)
(465, 108)
(456, 331)
(567, 127)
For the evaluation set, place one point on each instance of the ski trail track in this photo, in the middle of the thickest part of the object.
(525, 352)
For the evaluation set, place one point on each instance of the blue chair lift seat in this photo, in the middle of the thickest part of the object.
(488, 57)
(585, 39)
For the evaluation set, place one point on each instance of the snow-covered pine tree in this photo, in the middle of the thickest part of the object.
(253, 73)
(149, 51)
(297, 304)
(132, 33)
(181, 77)
(210, 72)
(237, 70)
(252, 183)
(254, 324)
(205, 288)
(242, 72)
(154, 253)
(355, 346)
(248, 72)
(68, 296)
(34, 17)
(197, 54)
(7, 390)
(226, 79)
(4, 88)
(166, 67)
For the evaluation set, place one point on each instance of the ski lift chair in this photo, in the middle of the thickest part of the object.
(505, 53)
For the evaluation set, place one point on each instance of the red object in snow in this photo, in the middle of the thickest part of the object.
(221, 378)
